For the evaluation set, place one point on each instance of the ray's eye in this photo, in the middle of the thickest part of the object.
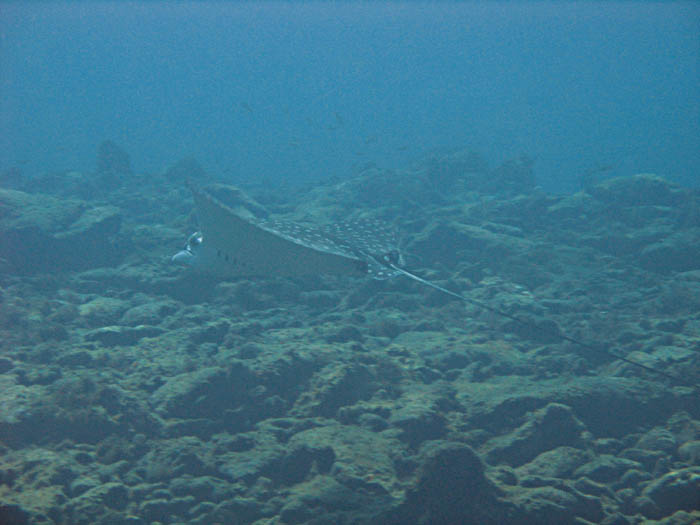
(391, 257)
(194, 241)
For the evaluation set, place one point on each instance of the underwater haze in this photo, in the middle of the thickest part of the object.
(315, 90)
(349, 263)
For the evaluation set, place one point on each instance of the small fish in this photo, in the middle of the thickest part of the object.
(246, 107)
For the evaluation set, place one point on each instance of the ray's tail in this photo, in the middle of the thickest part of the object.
(552, 330)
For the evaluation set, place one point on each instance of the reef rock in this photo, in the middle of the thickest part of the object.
(644, 189)
(39, 233)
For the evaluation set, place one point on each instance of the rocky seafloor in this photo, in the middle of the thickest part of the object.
(135, 392)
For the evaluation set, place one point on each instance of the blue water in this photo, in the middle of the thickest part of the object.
(315, 90)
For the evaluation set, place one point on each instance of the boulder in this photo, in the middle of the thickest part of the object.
(39, 234)
(552, 426)
(644, 189)
(451, 487)
(677, 490)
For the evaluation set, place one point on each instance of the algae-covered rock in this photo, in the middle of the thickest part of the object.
(451, 487)
(452, 242)
(677, 490)
(356, 456)
(333, 387)
(111, 495)
(14, 514)
(553, 426)
(150, 313)
(206, 392)
(238, 200)
(513, 177)
(560, 462)
(94, 223)
(121, 335)
(235, 510)
(606, 468)
(679, 252)
(597, 402)
(182, 395)
(690, 451)
(39, 233)
(644, 189)
(658, 438)
(172, 458)
(571, 210)
(258, 461)
(327, 500)
(466, 169)
(102, 311)
(210, 332)
(20, 211)
(419, 419)
(562, 505)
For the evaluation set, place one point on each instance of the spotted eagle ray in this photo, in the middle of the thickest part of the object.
(233, 243)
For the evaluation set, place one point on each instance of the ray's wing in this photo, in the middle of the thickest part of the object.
(371, 240)
(237, 246)
(310, 236)
(364, 239)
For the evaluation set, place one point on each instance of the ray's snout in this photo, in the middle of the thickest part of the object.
(183, 257)
(186, 256)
